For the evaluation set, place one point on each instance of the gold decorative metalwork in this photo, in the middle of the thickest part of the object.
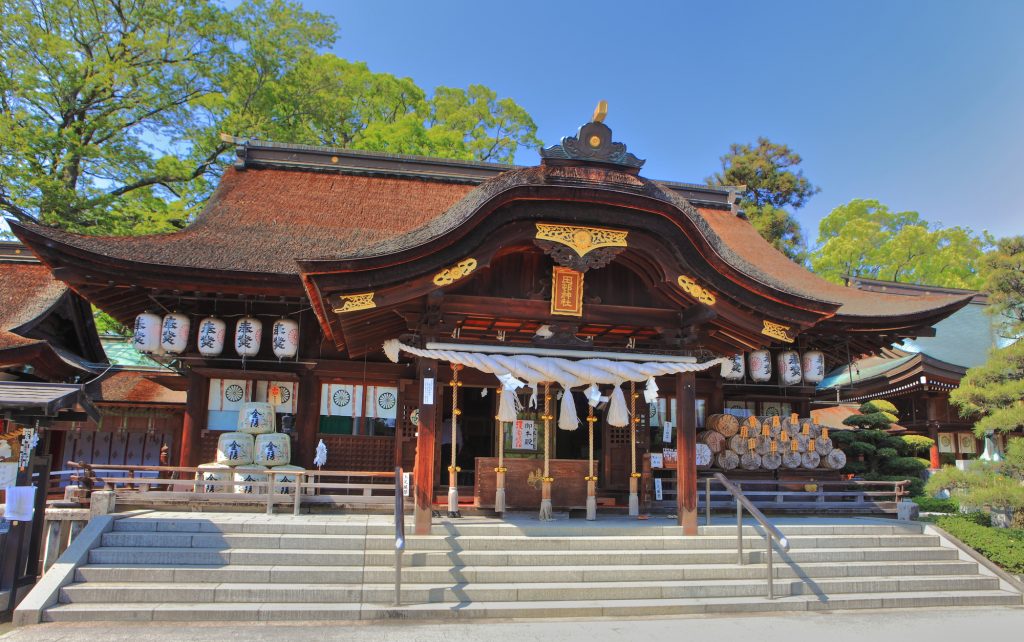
(777, 331)
(581, 239)
(690, 286)
(450, 275)
(353, 302)
(600, 112)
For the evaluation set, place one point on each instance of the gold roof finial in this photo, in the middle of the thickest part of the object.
(600, 111)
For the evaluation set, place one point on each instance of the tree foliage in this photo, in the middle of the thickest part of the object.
(994, 391)
(111, 110)
(865, 238)
(772, 182)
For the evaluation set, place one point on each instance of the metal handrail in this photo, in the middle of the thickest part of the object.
(399, 533)
(772, 533)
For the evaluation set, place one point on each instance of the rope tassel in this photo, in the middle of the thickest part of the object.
(618, 416)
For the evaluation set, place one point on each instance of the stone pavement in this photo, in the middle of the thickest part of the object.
(934, 625)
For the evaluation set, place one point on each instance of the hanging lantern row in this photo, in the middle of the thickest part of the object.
(792, 367)
(169, 335)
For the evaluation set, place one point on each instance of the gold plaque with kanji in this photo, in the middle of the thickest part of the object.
(566, 292)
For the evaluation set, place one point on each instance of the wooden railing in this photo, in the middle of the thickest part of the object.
(164, 485)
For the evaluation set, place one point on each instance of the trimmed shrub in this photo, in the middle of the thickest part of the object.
(934, 505)
(916, 445)
(1003, 546)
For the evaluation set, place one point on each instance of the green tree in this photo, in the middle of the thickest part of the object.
(994, 391)
(772, 181)
(111, 110)
(865, 238)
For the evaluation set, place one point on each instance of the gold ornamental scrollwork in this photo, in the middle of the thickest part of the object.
(460, 270)
(688, 285)
(353, 302)
(777, 331)
(581, 239)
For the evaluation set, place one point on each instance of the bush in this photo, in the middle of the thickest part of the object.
(1003, 546)
(915, 445)
(910, 466)
(933, 505)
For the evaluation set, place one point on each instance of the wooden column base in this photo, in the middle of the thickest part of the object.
(499, 493)
(634, 497)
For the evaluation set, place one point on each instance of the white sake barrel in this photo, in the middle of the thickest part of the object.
(146, 334)
(248, 335)
(210, 339)
(256, 418)
(284, 338)
(274, 449)
(214, 473)
(790, 373)
(733, 369)
(760, 364)
(253, 480)
(235, 449)
(174, 333)
(814, 366)
(286, 483)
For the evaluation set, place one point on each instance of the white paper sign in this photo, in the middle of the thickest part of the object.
(405, 484)
(20, 501)
(8, 474)
(666, 434)
(656, 461)
(524, 435)
(657, 488)
(428, 392)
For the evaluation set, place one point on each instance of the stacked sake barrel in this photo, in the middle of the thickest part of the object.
(769, 443)
(244, 456)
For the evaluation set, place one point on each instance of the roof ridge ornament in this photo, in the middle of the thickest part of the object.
(593, 143)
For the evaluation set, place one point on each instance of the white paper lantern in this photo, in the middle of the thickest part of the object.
(253, 478)
(734, 368)
(174, 333)
(285, 338)
(146, 336)
(256, 418)
(760, 363)
(814, 366)
(235, 449)
(248, 334)
(790, 372)
(274, 449)
(211, 337)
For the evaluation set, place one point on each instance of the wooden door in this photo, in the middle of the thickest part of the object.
(615, 467)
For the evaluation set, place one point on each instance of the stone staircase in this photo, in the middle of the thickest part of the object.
(192, 567)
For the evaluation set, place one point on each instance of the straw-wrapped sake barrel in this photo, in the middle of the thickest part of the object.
(253, 480)
(725, 424)
(771, 461)
(235, 449)
(791, 459)
(835, 460)
(256, 418)
(712, 439)
(285, 483)
(750, 461)
(810, 460)
(727, 460)
(214, 473)
(704, 456)
(274, 449)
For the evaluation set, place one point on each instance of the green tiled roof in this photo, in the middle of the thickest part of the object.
(121, 353)
(862, 370)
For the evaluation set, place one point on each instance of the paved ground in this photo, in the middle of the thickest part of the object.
(957, 625)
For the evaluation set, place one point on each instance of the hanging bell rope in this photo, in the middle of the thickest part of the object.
(453, 470)
(591, 477)
(545, 492)
(634, 477)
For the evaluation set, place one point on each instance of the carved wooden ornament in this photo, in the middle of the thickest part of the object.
(566, 292)
(450, 275)
(688, 285)
(777, 331)
(353, 302)
(581, 239)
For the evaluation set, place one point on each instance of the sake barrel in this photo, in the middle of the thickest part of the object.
(835, 459)
(727, 460)
(235, 449)
(750, 461)
(791, 459)
(256, 418)
(713, 440)
(810, 460)
(760, 364)
(274, 449)
(251, 480)
(771, 461)
(790, 373)
(214, 473)
(285, 483)
(704, 456)
(725, 424)
(739, 444)
(823, 446)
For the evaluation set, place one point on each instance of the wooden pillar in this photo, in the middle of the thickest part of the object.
(195, 419)
(933, 452)
(307, 419)
(423, 473)
(686, 444)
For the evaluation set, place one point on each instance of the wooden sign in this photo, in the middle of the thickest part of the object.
(566, 292)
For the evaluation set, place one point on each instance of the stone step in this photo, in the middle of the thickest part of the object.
(484, 574)
(198, 525)
(256, 611)
(234, 540)
(502, 592)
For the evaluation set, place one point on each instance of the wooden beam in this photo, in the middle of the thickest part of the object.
(308, 417)
(195, 418)
(428, 390)
(686, 442)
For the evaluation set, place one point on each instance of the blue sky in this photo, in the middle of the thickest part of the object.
(918, 104)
